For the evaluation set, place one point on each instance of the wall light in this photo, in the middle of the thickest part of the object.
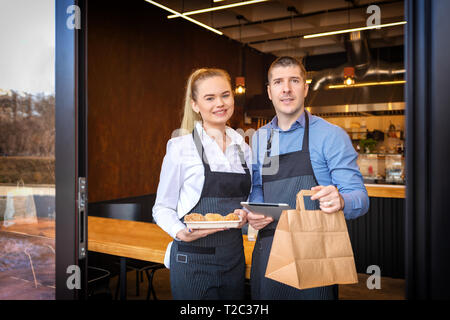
(349, 76)
(240, 85)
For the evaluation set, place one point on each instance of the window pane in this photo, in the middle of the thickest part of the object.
(27, 149)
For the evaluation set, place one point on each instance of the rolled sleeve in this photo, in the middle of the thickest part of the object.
(345, 175)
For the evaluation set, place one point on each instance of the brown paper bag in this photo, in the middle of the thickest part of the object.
(20, 206)
(311, 248)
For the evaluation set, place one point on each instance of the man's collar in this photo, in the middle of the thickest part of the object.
(300, 121)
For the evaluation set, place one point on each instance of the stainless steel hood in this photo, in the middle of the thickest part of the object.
(353, 100)
(373, 100)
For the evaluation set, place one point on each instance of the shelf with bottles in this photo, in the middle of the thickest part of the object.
(377, 135)
(386, 146)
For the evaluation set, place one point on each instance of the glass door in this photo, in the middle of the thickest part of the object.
(39, 96)
(27, 149)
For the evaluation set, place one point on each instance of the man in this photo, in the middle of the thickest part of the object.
(298, 151)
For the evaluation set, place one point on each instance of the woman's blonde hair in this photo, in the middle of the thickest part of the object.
(189, 115)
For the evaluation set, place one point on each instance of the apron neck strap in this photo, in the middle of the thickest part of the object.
(305, 146)
(305, 143)
(199, 146)
(201, 152)
(242, 158)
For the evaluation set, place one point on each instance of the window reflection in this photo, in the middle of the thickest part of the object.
(27, 150)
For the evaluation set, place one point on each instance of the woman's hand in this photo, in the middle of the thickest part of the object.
(243, 215)
(188, 235)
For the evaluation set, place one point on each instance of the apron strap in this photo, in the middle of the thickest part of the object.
(305, 143)
(269, 144)
(201, 152)
(305, 146)
(242, 158)
(200, 149)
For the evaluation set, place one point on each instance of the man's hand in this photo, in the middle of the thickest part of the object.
(330, 199)
(258, 221)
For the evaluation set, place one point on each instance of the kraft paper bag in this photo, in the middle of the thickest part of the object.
(311, 248)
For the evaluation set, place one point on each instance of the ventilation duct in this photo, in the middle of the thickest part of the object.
(366, 70)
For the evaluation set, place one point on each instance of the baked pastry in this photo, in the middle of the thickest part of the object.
(213, 217)
(232, 217)
(194, 217)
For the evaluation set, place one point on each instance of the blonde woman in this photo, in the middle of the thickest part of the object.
(206, 170)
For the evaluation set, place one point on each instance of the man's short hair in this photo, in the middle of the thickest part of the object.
(287, 61)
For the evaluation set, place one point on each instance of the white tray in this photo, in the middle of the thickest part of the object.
(213, 224)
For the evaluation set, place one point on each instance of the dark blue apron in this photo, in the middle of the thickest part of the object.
(294, 174)
(213, 267)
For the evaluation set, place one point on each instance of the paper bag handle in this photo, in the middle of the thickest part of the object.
(301, 199)
(18, 183)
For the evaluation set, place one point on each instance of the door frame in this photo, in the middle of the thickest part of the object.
(70, 148)
(427, 252)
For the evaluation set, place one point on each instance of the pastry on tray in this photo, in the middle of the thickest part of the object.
(232, 217)
(194, 217)
(213, 217)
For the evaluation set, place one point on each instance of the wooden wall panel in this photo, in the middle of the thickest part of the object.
(138, 63)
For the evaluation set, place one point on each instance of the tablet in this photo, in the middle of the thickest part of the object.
(268, 209)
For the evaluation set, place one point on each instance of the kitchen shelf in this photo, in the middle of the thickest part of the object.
(385, 132)
(382, 154)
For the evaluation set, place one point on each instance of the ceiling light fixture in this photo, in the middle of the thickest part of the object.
(240, 85)
(184, 17)
(226, 6)
(366, 84)
(324, 34)
(349, 76)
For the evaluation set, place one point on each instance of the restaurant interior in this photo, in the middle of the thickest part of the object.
(136, 58)
(136, 96)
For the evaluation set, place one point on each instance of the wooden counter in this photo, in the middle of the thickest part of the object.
(138, 240)
(386, 191)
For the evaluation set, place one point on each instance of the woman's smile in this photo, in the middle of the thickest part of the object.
(220, 112)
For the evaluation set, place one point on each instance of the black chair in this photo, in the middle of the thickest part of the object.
(98, 284)
(131, 212)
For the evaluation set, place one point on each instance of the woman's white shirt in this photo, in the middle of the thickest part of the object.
(183, 175)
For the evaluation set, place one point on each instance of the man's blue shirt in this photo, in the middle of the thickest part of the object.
(333, 159)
